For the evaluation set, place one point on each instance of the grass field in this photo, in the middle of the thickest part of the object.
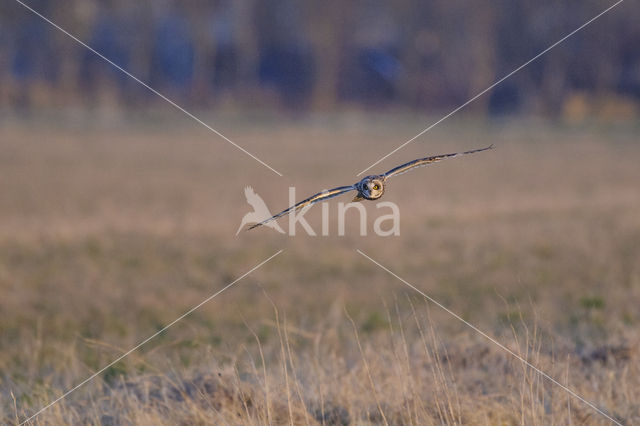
(109, 231)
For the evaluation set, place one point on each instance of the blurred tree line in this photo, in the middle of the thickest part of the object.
(429, 55)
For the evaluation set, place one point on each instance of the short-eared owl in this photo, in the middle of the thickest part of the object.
(370, 187)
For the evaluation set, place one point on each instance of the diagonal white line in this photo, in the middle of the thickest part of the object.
(493, 85)
(142, 83)
(165, 328)
(494, 341)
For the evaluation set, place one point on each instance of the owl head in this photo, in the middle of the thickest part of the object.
(371, 187)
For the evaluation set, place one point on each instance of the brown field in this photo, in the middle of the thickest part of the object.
(111, 230)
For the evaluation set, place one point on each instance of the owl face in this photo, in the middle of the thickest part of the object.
(371, 187)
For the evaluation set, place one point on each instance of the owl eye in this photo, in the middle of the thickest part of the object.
(376, 187)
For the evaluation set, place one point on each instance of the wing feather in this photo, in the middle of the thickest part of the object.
(421, 162)
(320, 196)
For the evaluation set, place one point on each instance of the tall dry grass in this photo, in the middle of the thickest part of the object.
(110, 232)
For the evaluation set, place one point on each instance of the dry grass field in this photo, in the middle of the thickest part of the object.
(111, 230)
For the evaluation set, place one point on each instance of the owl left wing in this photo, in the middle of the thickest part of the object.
(420, 162)
(320, 196)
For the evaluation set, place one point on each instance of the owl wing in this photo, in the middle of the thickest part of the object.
(320, 196)
(420, 162)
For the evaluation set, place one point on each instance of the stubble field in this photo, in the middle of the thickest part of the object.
(109, 232)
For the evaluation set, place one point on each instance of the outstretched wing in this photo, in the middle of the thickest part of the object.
(320, 196)
(420, 162)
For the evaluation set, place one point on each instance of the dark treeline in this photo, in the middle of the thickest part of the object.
(320, 54)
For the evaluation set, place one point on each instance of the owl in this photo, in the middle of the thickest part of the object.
(370, 187)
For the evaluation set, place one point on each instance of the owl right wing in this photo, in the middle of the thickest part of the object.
(320, 196)
(420, 162)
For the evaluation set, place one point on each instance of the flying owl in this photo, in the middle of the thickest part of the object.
(370, 187)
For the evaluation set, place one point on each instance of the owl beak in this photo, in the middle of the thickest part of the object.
(357, 198)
